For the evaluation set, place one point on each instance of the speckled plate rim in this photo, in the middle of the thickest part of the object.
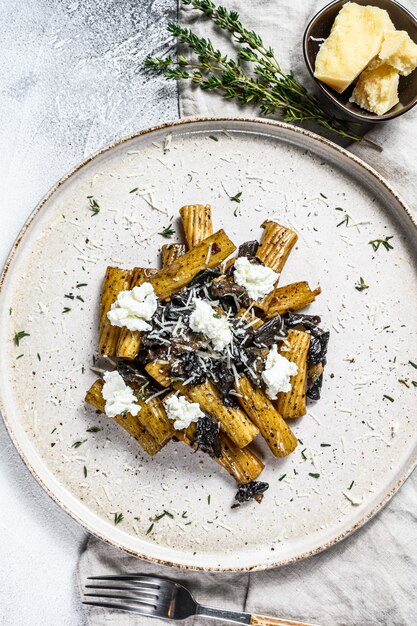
(263, 124)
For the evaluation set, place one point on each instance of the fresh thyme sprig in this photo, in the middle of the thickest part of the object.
(267, 85)
(375, 243)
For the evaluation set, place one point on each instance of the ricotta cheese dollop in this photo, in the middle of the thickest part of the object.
(181, 411)
(214, 326)
(134, 308)
(258, 280)
(277, 373)
(119, 397)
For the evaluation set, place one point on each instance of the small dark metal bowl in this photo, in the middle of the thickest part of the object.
(319, 28)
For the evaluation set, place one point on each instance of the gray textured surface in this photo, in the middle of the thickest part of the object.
(71, 82)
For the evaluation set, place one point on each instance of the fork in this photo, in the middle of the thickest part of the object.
(164, 598)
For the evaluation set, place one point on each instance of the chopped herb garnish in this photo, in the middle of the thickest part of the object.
(118, 517)
(325, 445)
(10, 311)
(133, 190)
(19, 357)
(208, 499)
(388, 398)
(80, 298)
(313, 475)
(184, 514)
(158, 517)
(404, 382)
(323, 196)
(300, 442)
(214, 138)
(167, 232)
(66, 309)
(217, 315)
(94, 205)
(414, 383)
(18, 336)
(85, 471)
(93, 429)
(53, 430)
(53, 444)
(150, 528)
(69, 295)
(339, 208)
(361, 285)
(412, 364)
(78, 443)
(236, 198)
(375, 243)
(39, 356)
(345, 221)
(81, 285)
(351, 485)
(303, 454)
(187, 524)
(282, 477)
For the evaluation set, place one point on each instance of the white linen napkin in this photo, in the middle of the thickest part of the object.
(369, 579)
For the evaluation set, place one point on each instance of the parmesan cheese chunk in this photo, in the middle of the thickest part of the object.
(399, 51)
(377, 88)
(354, 41)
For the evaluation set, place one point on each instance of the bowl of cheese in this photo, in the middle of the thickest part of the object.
(363, 56)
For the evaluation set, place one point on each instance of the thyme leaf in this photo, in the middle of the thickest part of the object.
(118, 517)
(167, 232)
(19, 336)
(78, 443)
(236, 198)
(94, 205)
(361, 285)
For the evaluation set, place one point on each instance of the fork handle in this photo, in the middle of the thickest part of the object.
(264, 620)
(246, 618)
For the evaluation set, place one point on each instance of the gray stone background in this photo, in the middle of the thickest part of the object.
(71, 81)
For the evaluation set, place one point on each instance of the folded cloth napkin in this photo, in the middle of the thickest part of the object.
(369, 578)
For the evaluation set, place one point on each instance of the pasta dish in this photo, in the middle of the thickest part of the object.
(210, 351)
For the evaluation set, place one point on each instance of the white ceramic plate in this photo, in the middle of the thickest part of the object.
(280, 171)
